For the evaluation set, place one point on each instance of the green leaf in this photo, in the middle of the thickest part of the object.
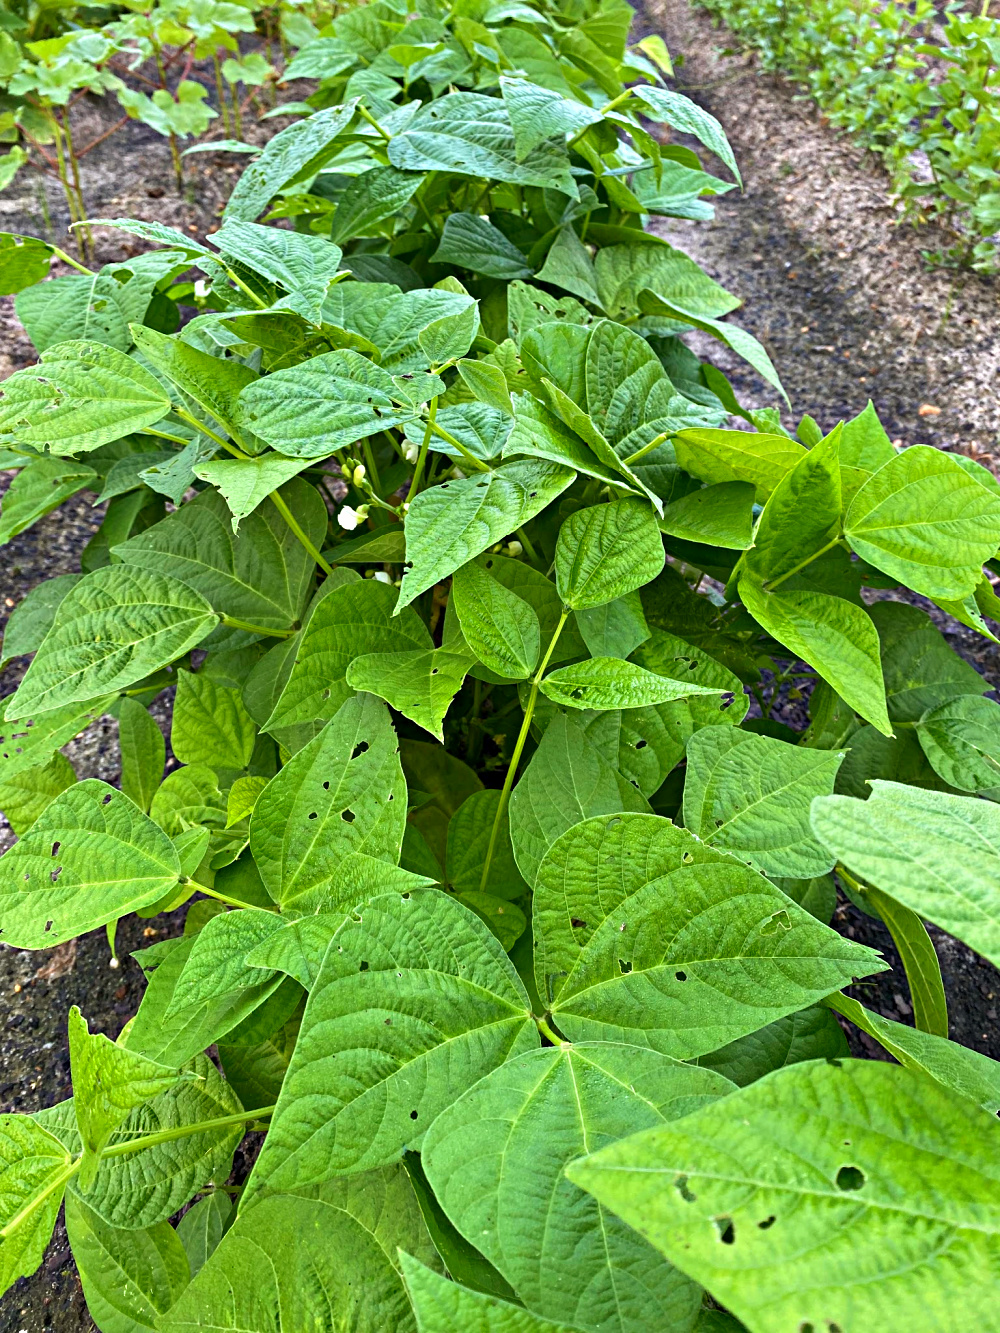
(445, 1307)
(351, 620)
(297, 947)
(29, 741)
(108, 1083)
(262, 575)
(623, 271)
(937, 854)
(213, 382)
(537, 114)
(449, 525)
(469, 241)
(810, 1034)
(607, 682)
(371, 199)
(420, 684)
(30, 791)
(329, 402)
(645, 935)
(202, 1226)
(299, 150)
(215, 968)
(92, 857)
(32, 618)
(718, 456)
(750, 795)
(489, 384)
(187, 797)
(680, 113)
(144, 1188)
(607, 551)
(80, 395)
(39, 488)
(322, 1260)
(840, 1158)
(469, 831)
(801, 519)
(292, 260)
(130, 1278)
(921, 670)
(918, 956)
(34, 1168)
(738, 340)
(926, 521)
(210, 724)
(255, 1072)
(114, 627)
(832, 635)
(471, 135)
(568, 265)
(343, 793)
(864, 443)
(143, 752)
(24, 260)
(244, 483)
(718, 515)
(961, 739)
(567, 780)
(501, 628)
(394, 322)
(965, 1071)
(615, 629)
(360, 1091)
(566, 1257)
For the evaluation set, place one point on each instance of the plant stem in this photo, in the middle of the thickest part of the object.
(477, 464)
(547, 1032)
(68, 259)
(647, 448)
(290, 519)
(795, 569)
(191, 420)
(515, 758)
(195, 887)
(130, 1146)
(367, 115)
(220, 93)
(526, 542)
(233, 623)
(74, 167)
(425, 445)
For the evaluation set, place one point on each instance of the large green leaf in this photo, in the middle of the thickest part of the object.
(680, 113)
(108, 1083)
(415, 1001)
(750, 795)
(856, 1194)
(645, 935)
(130, 1278)
(937, 854)
(622, 271)
(742, 343)
(568, 779)
(448, 525)
(607, 551)
(399, 324)
(499, 626)
(343, 793)
(92, 857)
(835, 637)
(718, 515)
(445, 1307)
(537, 114)
(116, 626)
(244, 483)
(297, 151)
(34, 1167)
(961, 739)
(607, 683)
(350, 620)
(323, 1260)
(80, 395)
(39, 488)
(717, 456)
(329, 402)
(469, 134)
(565, 1256)
(922, 518)
(371, 199)
(420, 684)
(921, 670)
(210, 724)
(261, 575)
(469, 241)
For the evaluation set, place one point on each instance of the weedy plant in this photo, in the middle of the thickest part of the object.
(505, 920)
(919, 87)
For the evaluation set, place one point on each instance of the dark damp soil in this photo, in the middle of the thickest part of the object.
(833, 287)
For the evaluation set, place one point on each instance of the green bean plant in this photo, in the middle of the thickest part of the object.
(920, 89)
(525, 716)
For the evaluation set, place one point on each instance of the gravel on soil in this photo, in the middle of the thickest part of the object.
(835, 290)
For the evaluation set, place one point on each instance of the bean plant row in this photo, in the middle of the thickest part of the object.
(531, 698)
(917, 84)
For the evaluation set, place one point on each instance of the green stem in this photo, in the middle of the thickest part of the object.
(74, 167)
(515, 758)
(526, 542)
(774, 583)
(68, 259)
(233, 623)
(247, 291)
(425, 445)
(647, 448)
(547, 1032)
(191, 420)
(130, 1146)
(367, 115)
(307, 545)
(163, 435)
(608, 106)
(37, 1200)
(477, 464)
